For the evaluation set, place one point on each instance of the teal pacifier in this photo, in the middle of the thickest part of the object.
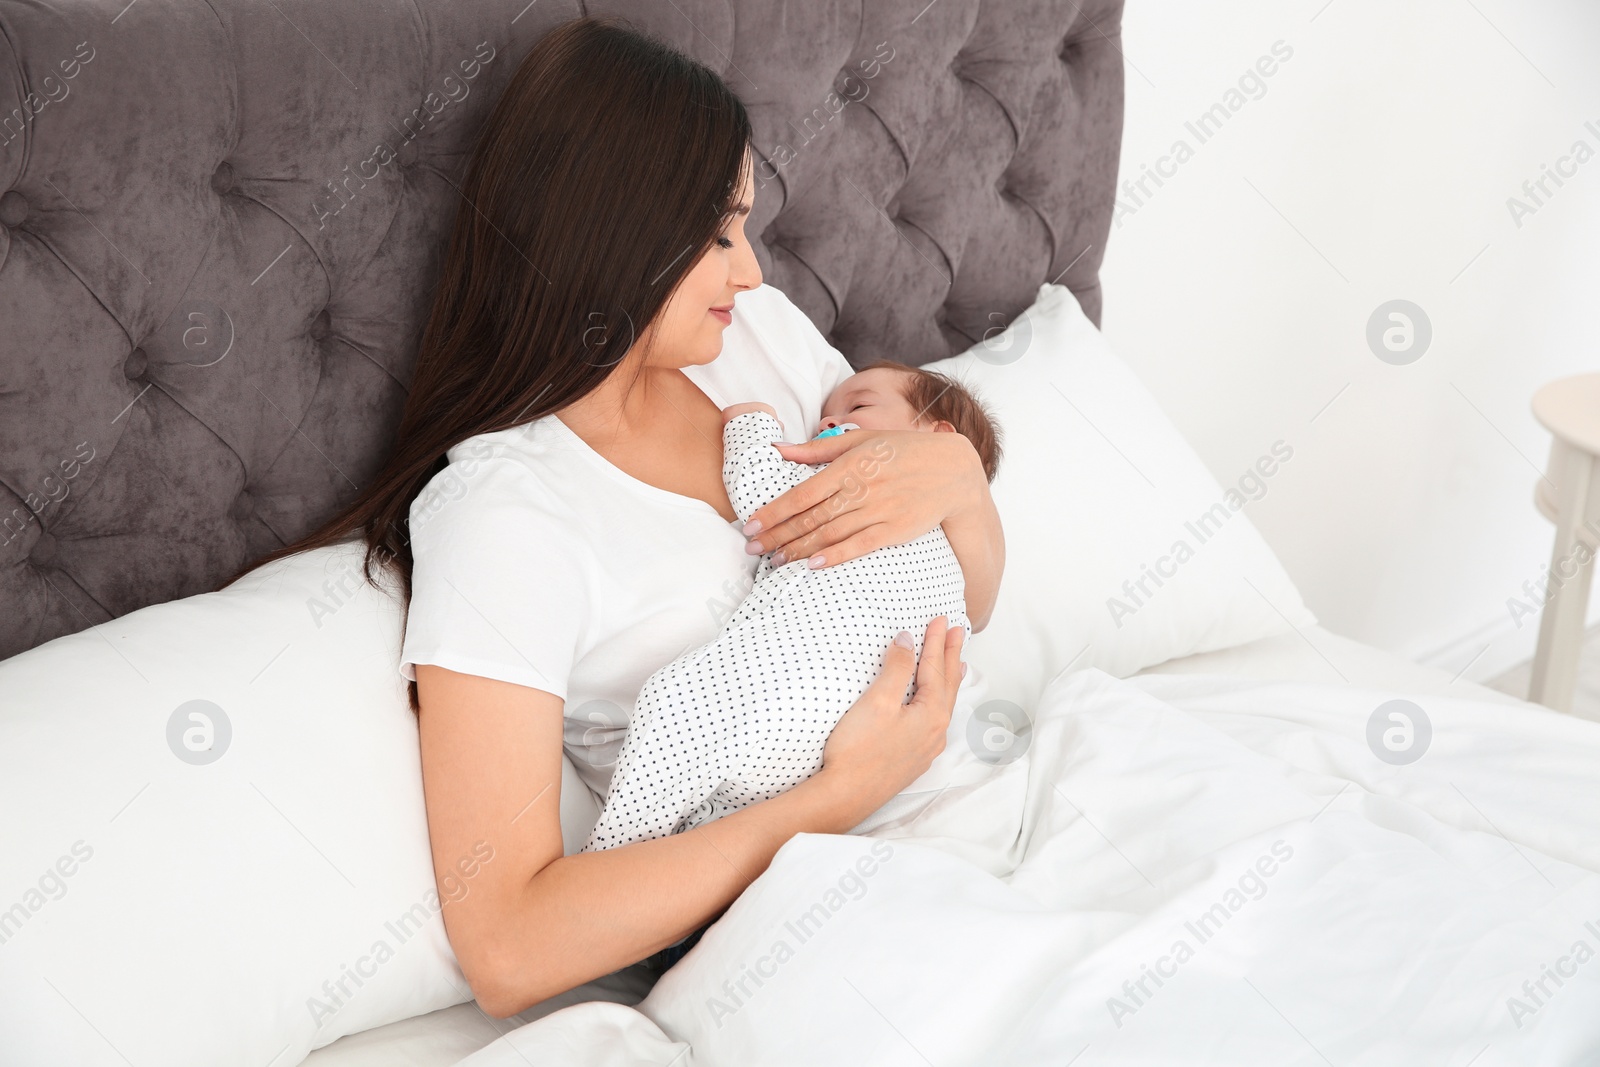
(835, 431)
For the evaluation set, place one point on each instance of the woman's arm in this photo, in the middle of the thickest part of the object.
(979, 543)
(532, 923)
(886, 488)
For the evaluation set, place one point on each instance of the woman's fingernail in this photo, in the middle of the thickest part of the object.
(753, 548)
(963, 670)
(903, 639)
(779, 559)
(752, 527)
(815, 561)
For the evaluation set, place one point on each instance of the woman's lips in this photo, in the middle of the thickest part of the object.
(724, 317)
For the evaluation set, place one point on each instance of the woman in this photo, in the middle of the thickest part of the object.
(555, 509)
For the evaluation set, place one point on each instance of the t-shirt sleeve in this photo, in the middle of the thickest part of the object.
(831, 366)
(807, 363)
(498, 584)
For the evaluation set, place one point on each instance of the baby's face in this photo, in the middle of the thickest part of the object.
(873, 400)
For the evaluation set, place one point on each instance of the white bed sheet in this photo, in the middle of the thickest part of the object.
(1318, 655)
(443, 1038)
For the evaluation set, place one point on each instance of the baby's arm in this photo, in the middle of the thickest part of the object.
(752, 470)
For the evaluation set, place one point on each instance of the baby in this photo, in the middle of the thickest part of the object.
(746, 716)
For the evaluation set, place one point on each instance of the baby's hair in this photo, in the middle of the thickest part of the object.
(939, 397)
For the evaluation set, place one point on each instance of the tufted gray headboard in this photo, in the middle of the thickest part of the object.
(221, 221)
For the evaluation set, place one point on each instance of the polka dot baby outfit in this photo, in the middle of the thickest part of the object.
(745, 717)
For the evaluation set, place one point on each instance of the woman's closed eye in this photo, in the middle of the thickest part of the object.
(723, 242)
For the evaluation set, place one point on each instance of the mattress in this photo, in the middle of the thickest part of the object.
(445, 1037)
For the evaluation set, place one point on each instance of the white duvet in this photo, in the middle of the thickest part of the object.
(1180, 870)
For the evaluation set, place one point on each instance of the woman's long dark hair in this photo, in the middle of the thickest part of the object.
(603, 173)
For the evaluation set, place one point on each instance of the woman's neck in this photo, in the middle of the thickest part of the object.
(624, 405)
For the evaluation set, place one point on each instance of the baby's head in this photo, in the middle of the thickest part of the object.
(892, 396)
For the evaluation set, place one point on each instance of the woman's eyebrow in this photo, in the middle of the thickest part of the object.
(741, 209)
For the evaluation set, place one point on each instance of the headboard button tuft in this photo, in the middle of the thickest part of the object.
(322, 326)
(135, 365)
(44, 550)
(222, 179)
(13, 208)
(243, 507)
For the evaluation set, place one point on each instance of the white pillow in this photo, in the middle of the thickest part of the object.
(1097, 488)
(159, 911)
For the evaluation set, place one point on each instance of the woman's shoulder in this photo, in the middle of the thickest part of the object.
(775, 324)
(509, 476)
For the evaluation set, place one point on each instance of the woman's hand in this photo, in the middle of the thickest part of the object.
(886, 488)
(883, 744)
(881, 487)
(536, 922)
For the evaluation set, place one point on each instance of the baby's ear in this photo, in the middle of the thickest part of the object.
(943, 426)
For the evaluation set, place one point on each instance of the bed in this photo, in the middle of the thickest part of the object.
(241, 316)
(1475, 951)
(447, 1036)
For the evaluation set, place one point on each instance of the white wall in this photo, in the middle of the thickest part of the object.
(1376, 164)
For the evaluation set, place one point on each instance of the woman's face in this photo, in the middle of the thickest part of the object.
(688, 331)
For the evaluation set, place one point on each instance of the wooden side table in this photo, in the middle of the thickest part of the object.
(1568, 495)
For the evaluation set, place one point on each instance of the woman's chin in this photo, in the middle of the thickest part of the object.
(706, 351)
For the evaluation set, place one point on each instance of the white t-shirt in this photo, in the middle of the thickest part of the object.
(538, 562)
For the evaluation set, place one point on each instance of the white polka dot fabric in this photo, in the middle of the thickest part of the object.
(745, 717)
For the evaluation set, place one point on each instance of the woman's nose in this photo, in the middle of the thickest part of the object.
(745, 271)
